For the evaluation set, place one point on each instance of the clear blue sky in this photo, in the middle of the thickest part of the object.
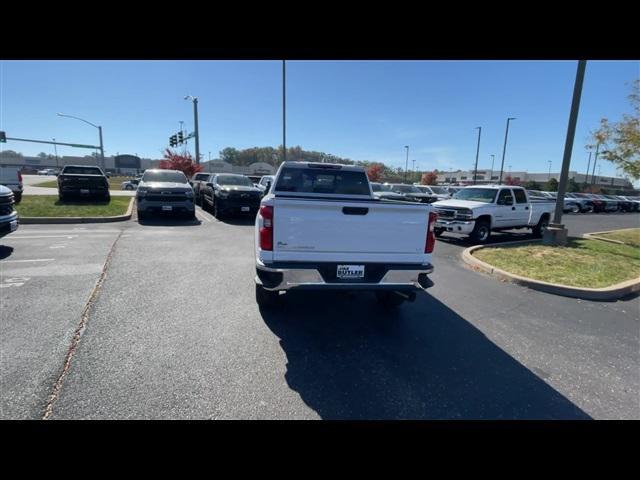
(360, 110)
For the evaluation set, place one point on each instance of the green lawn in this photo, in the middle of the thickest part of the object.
(50, 206)
(115, 183)
(628, 236)
(582, 263)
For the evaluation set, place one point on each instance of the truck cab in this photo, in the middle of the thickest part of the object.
(478, 210)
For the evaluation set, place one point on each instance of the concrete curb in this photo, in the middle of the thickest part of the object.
(594, 235)
(613, 292)
(63, 220)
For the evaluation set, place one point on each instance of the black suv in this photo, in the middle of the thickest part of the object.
(227, 193)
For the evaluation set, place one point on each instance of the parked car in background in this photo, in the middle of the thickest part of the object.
(569, 204)
(265, 184)
(199, 182)
(47, 171)
(635, 202)
(8, 215)
(130, 184)
(229, 193)
(320, 228)
(624, 205)
(411, 193)
(606, 204)
(584, 202)
(83, 181)
(11, 178)
(384, 192)
(478, 210)
(439, 192)
(165, 191)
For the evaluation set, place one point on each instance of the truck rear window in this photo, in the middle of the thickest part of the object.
(322, 181)
(82, 170)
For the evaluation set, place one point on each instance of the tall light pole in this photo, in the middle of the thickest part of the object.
(55, 149)
(493, 157)
(413, 169)
(99, 133)
(284, 111)
(504, 149)
(595, 159)
(586, 179)
(475, 169)
(195, 124)
(549, 174)
(406, 164)
(556, 234)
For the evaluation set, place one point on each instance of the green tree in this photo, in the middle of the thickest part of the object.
(229, 155)
(620, 141)
(551, 185)
(573, 186)
(531, 185)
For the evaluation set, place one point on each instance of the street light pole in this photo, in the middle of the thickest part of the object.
(549, 174)
(493, 157)
(475, 169)
(504, 149)
(196, 132)
(55, 149)
(413, 168)
(406, 164)
(284, 111)
(586, 179)
(556, 234)
(99, 132)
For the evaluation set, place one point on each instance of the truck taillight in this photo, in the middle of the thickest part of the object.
(266, 230)
(431, 237)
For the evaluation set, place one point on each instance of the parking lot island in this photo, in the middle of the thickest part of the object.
(48, 209)
(586, 269)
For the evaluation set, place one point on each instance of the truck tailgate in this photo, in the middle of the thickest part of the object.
(349, 230)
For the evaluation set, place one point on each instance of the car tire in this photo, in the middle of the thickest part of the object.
(216, 210)
(61, 197)
(588, 209)
(543, 223)
(107, 197)
(481, 232)
(575, 209)
(266, 298)
(389, 300)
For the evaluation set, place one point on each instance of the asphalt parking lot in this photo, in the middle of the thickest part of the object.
(173, 332)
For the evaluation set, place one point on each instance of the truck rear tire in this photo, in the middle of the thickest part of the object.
(481, 231)
(266, 298)
(389, 300)
(542, 225)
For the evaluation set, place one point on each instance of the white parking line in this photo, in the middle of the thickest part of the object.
(29, 237)
(23, 261)
(201, 216)
(205, 215)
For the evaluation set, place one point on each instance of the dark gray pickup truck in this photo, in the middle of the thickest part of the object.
(83, 181)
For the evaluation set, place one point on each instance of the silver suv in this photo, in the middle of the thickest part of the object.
(165, 191)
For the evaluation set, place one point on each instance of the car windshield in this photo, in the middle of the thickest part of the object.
(321, 180)
(439, 190)
(164, 176)
(406, 189)
(82, 170)
(484, 195)
(376, 187)
(234, 180)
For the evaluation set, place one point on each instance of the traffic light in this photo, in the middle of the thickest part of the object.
(3, 137)
(180, 138)
(173, 141)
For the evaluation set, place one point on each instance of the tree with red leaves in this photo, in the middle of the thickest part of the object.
(176, 161)
(429, 178)
(374, 172)
(511, 181)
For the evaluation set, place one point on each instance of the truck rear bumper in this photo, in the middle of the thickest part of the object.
(321, 276)
(456, 226)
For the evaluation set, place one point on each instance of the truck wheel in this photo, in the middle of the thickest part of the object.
(17, 197)
(61, 197)
(266, 298)
(588, 209)
(438, 232)
(389, 300)
(216, 211)
(481, 232)
(542, 225)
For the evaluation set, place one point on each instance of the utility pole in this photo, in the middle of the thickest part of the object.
(406, 164)
(549, 174)
(55, 149)
(504, 149)
(586, 179)
(475, 169)
(284, 111)
(493, 157)
(413, 168)
(556, 233)
(595, 159)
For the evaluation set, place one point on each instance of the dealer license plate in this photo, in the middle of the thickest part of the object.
(167, 208)
(350, 271)
(244, 209)
(84, 191)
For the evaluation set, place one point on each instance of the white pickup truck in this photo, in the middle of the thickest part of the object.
(321, 227)
(478, 210)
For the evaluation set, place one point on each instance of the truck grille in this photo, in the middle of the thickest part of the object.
(166, 197)
(6, 210)
(445, 213)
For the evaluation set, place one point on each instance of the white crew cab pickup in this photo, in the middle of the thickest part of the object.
(321, 227)
(480, 209)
